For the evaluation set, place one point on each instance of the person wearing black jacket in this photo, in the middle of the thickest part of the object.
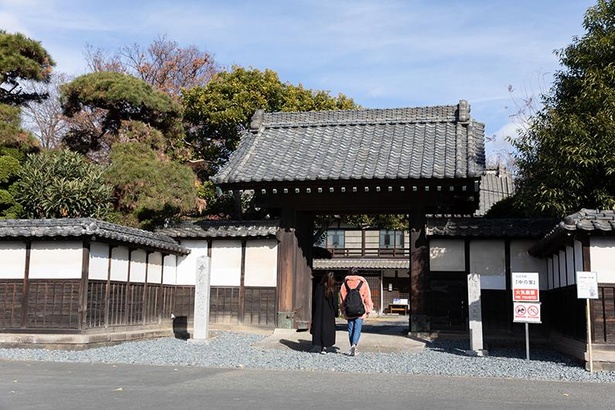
(324, 311)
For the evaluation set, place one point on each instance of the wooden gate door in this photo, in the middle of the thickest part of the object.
(447, 302)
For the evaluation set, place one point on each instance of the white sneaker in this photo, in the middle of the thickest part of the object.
(353, 351)
(323, 351)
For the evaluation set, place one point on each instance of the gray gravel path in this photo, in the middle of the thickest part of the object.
(237, 350)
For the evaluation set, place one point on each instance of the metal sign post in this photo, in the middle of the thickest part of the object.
(587, 288)
(526, 302)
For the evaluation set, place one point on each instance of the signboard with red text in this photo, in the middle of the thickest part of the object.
(525, 287)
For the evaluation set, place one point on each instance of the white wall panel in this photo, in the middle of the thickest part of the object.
(169, 275)
(138, 266)
(56, 260)
(154, 267)
(562, 269)
(446, 255)
(522, 261)
(488, 258)
(225, 263)
(570, 266)
(578, 256)
(602, 254)
(556, 275)
(99, 261)
(261, 262)
(13, 257)
(186, 265)
(119, 264)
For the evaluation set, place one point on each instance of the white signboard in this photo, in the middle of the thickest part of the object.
(525, 287)
(526, 312)
(587, 285)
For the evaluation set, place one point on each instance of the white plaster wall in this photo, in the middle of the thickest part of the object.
(226, 263)
(488, 258)
(169, 276)
(563, 269)
(154, 267)
(446, 255)
(550, 273)
(119, 264)
(99, 261)
(602, 256)
(578, 256)
(138, 266)
(352, 239)
(570, 265)
(261, 262)
(13, 257)
(56, 260)
(186, 265)
(556, 266)
(522, 261)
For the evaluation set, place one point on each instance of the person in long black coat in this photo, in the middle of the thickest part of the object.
(325, 306)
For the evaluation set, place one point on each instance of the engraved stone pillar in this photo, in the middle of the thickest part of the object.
(201, 298)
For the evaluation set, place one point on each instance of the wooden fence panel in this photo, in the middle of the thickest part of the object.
(603, 314)
(260, 306)
(11, 296)
(224, 305)
(53, 304)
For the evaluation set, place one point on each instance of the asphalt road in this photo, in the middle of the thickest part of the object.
(46, 385)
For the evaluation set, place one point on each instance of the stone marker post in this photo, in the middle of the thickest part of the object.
(475, 315)
(201, 298)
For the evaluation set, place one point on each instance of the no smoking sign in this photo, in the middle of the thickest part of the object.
(526, 312)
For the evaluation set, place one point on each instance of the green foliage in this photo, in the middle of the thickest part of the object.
(120, 98)
(216, 114)
(10, 165)
(11, 132)
(21, 59)
(61, 184)
(566, 158)
(147, 189)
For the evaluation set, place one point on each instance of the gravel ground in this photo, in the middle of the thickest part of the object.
(236, 350)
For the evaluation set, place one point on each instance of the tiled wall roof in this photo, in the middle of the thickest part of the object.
(361, 263)
(222, 229)
(586, 220)
(495, 185)
(404, 143)
(87, 227)
(489, 228)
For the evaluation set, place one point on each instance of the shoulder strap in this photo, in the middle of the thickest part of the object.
(347, 287)
(359, 286)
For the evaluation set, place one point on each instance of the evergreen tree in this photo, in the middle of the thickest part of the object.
(566, 158)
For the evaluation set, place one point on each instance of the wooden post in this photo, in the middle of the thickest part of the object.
(26, 286)
(419, 321)
(83, 287)
(242, 286)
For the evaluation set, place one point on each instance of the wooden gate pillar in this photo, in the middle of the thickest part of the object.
(294, 289)
(419, 321)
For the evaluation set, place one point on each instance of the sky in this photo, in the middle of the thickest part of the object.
(380, 53)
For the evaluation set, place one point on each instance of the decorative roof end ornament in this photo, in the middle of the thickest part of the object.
(463, 112)
(257, 120)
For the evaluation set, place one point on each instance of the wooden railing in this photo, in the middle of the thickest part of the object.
(369, 252)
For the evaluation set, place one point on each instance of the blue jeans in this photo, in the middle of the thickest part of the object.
(354, 330)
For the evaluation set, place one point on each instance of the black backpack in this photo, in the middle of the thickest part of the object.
(353, 304)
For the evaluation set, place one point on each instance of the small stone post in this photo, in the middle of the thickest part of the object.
(475, 315)
(201, 299)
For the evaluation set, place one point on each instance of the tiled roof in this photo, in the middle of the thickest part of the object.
(586, 220)
(87, 227)
(364, 263)
(438, 142)
(222, 229)
(489, 228)
(495, 185)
